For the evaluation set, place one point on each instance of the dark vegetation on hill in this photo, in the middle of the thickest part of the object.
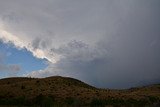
(64, 91)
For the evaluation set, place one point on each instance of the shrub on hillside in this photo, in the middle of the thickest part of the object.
(44, 101)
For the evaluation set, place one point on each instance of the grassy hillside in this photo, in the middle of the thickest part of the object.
(63, 91)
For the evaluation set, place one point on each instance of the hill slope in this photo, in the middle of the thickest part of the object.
(60, 91)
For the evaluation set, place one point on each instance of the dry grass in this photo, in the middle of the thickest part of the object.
(68, 91)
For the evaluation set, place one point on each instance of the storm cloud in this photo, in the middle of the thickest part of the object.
(106, 43)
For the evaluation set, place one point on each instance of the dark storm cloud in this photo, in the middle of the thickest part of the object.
(131, 56)
(41, 43)
(106, 43)
(134, 61)
(79, 51)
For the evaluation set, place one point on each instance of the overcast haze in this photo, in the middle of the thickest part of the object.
(106, 43)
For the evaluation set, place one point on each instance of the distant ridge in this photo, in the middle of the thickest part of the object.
(66, 91)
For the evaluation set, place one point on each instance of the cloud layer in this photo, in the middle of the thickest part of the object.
(106, 43)
(8, 69)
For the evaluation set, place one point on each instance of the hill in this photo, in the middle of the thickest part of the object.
(64, 91)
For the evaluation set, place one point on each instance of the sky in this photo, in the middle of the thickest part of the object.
(105, 43)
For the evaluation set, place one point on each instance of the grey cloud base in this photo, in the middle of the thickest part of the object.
(106, 43)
